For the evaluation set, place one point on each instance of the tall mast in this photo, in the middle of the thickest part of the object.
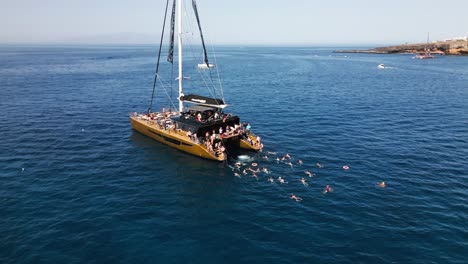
(179, 22)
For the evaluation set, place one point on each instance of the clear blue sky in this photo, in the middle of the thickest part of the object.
(293, 22)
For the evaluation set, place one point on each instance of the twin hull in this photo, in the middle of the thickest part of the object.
(180, 141)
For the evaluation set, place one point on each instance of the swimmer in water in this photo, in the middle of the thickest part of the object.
(255, 176)
(244, 172)
(304, 182)
(281, 180)
(294, 197)
(300, 162)
(236, 174)
(382, 185)
(265, 170)
(271, 180)
(277, 159)
(265, 157)
(254, 171)
(290, 164)
(319, 165)
(309, 173)
(328, 189)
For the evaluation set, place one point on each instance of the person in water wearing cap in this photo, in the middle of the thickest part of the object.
(382, 185)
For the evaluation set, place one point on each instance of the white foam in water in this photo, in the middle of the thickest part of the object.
(243, 157)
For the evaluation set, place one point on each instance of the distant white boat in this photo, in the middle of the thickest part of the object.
(381, 66)
(205, 66)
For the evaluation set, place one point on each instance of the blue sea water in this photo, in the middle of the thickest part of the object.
(78, 185)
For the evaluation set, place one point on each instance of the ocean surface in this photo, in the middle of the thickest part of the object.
(78, 185)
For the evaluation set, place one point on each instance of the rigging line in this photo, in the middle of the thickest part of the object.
(217, 71)
(203, 75)
(172, 82)
(165, 90)
(211, 91)
(190, 25)
(159, 57)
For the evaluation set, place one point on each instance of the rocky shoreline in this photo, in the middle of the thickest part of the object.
(459, 47)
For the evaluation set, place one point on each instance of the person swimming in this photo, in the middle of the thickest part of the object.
(281, 180)
(300, 162)
(382, 185)
(244, 172)
(309, 173)
(255, 176)
(271, 180)
(328, 189)
(290, 164)
(319, 165)
(237, 174)
(304, 182)
(294, 197)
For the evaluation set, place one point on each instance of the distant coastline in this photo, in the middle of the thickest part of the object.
(448, 47)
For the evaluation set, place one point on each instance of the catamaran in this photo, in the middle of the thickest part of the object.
(203, 128)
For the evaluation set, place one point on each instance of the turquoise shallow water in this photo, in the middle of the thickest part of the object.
(94, 191)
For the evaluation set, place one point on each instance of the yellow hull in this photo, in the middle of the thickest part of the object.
(244, 143)
(175, 139)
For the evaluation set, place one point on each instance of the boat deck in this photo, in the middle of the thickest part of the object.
(161, 126)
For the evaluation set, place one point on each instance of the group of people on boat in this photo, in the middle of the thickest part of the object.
(213, 141)
(162, 119)
(204, 116)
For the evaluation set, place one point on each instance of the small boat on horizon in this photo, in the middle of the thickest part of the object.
(427, 52)
(426, 55)
(205, 66)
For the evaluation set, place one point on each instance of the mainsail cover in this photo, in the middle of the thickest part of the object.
(203, 100)
(170, 55)
(205, 55)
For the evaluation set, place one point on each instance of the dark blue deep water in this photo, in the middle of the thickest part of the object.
(78, 185)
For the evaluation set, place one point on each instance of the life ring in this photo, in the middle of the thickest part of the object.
(345, 167)
(254, 164)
